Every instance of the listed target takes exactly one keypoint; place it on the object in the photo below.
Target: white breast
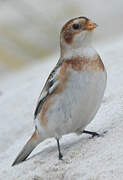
(76, 106)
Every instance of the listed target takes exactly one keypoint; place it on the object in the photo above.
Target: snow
(84, 158)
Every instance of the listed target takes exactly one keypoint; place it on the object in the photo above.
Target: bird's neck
(84, 50)
(80, 46)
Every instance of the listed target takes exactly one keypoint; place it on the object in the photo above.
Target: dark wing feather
(50, 85)
(39, 105)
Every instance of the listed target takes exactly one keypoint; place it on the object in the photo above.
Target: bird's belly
(76, 105)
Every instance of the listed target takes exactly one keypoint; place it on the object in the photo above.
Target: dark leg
(60, 154)
(91, 133)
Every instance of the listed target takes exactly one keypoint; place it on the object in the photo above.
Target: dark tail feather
(27, 149)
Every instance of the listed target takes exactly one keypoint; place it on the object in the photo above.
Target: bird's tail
(28, 148)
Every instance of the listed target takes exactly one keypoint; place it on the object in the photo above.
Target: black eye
(75, 26)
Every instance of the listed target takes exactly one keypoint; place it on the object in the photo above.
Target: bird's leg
(91, 133)
(60, 154)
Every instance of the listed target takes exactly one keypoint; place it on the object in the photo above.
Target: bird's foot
(94, 133)
(60, 156)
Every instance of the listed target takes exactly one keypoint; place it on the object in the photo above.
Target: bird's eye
(76, 26)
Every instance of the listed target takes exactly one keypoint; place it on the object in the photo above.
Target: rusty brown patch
(100, 64)
(85, 64)
(63, 68)
(63, 77)
(34, 136)
(43, 118)
(69, 35)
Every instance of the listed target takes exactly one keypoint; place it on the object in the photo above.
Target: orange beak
(91, 26)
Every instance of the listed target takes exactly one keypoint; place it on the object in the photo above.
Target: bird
(73, 91)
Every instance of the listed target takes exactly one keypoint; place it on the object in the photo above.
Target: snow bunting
(73, 91)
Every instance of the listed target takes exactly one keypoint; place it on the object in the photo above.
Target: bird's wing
(50, 85)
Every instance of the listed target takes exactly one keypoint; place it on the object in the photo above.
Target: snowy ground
(84, 158)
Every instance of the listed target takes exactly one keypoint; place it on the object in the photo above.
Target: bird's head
(76, 32)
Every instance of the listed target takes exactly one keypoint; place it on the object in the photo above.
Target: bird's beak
(91, 26)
